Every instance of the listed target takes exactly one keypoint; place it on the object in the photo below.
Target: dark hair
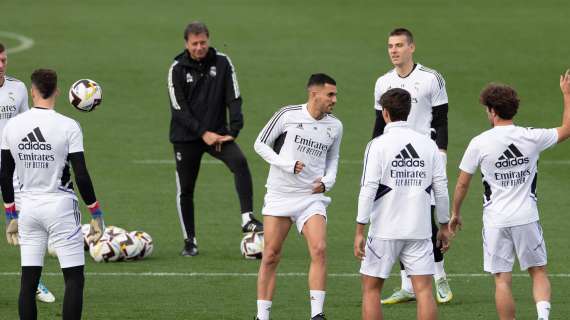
(501, 98)
(196, 27)
(45, 81)
(320, 79)
(2, 47)
(398, 103)
(402, 32)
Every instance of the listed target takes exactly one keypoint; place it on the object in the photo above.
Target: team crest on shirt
(178, 156)
(213, 71)
(189, 78)
(11, 96)
(300, 126)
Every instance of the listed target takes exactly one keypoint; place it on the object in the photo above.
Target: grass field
(127, 46)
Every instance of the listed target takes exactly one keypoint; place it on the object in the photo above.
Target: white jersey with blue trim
(292, 135)
(508, 157)
(40, 141)
(427, 89)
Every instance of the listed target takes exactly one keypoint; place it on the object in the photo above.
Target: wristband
(11, 212)
(95, 210)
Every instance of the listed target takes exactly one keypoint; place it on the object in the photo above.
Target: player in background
(38, 146)
(401, 168)
(428, 116)
(204, 93)
(508, 155)
(301, 143)
(13, 101)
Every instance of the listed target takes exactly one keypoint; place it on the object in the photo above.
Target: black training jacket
(200, 92)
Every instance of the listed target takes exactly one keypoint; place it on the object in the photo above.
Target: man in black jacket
(202, 84)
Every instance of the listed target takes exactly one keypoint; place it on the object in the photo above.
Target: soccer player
(507, 155)
(13, 101)
(203, 90)
(39, 145)
(301, 143)
(401, 168)
(428, 116)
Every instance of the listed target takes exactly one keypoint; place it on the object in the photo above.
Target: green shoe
(443, 291)
(399, 296)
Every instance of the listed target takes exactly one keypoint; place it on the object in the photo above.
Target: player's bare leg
(540, 290)
(315, 232)
(426, 307)
(504, 301)
(276, 230)
(371, 306)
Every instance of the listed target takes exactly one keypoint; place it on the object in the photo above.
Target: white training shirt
(508, 157)
(400, 168)
(40, 141)
(427, 89)
(292, 135)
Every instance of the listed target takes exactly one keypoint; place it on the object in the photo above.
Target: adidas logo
(511, 157)
(34, 141)
(408, 157)
(300, 126)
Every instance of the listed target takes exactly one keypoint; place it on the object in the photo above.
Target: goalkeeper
(39, 145)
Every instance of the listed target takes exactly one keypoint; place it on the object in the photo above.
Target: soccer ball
(105, 250)
(51, 251)
(112, 231)
(130, 247)
(252, 245)
(146, 239)
(85, 95)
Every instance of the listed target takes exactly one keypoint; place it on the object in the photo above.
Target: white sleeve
(4, 141)
(266, 139)
(24, 103)
(332, 162)
(377, 94)
(369, 183)
(440, 190)
(545, 138)
(471, 158)
(75, 138)
(438, 92)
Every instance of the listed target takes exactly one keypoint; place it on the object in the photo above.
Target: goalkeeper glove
(11, 224)
(97, 223)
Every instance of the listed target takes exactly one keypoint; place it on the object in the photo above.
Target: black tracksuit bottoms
(188, 157)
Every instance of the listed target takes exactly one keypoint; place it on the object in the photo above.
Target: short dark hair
(45, 81)
(196, 27)
(501, 98)
(320, 79)
(2, 47)
(402, 32)
(398, 103)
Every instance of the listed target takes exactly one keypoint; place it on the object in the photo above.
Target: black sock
(73, 299)
(28, 286)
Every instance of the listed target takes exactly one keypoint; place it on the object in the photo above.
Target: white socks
(317, 301)
(439, 272)
(406, 282)
(263, 309)
(245, 218)
(543, 310)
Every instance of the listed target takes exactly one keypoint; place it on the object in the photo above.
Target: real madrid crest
(213, 71)
(189, 78)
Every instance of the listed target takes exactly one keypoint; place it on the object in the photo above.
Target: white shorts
(380, 255)
(56, 220)
(501, 244)
(298, 208)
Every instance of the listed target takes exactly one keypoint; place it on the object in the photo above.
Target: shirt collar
(395, 124)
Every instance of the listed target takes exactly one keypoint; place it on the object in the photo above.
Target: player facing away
(38, 146)
(428, 116)
(301, 143)
(401, 167)
(508, 155)
(13, 101)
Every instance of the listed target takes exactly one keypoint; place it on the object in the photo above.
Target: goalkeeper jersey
(508, 157)
(40, 141)
(292, 135)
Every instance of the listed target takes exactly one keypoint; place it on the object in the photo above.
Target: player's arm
(459, 195)
(441, 194)
(233, 100)
(439, 126)
(7, 185)
(266, 142)
(564, 130)
(24, 104)
(331, 168)
(379, 123)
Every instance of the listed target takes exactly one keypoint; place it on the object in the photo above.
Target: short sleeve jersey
(508, 156)
(427, 89)
(40, 141)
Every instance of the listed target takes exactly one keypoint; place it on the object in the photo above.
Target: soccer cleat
(320, 316)
(190, 248)
(43, 294)
(443, 292)
(399, 296)
(253, 225)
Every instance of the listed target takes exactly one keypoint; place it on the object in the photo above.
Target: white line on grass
(25, 43)
(244, 275)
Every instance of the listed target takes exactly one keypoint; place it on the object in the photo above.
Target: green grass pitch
(127, 46)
